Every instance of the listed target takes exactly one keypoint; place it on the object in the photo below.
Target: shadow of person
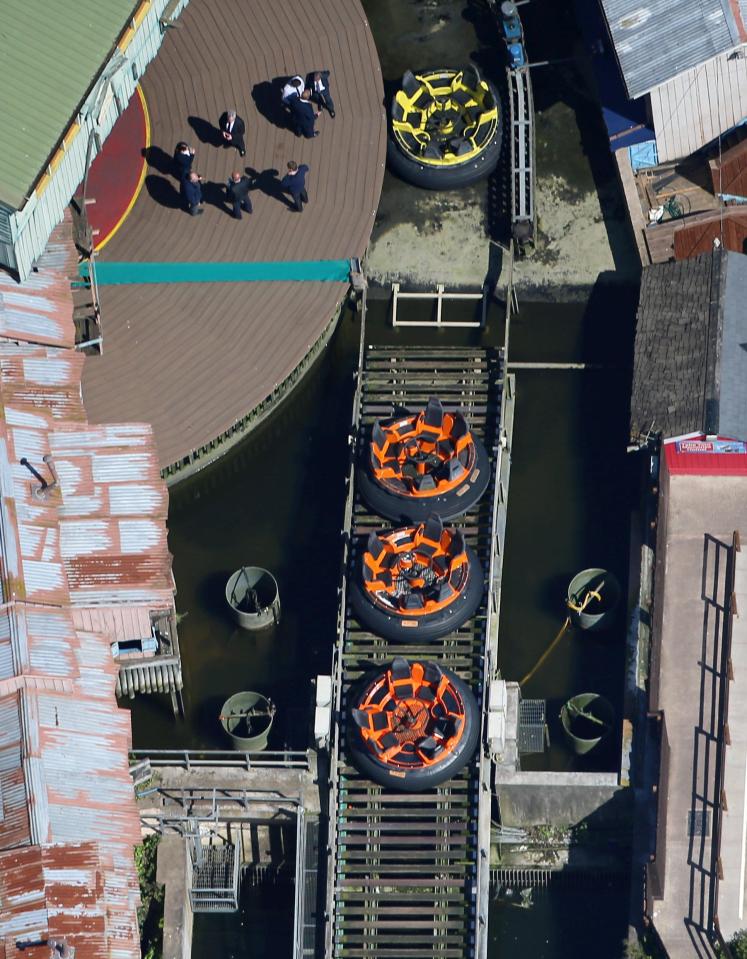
(267, 182)
(266, 96)
(205, 131)
(163, 191)
(159, 160)
(215, 195)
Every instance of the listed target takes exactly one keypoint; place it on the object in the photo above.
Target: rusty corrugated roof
(59, 892)
(40, 310)
(92, 534)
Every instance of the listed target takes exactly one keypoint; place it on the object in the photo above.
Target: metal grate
(531, 735)
(214, 885)
(699, 822)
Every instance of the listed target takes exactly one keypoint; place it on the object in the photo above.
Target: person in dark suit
(232, 130)
(191, 193)
(294, 182)
(304, 117)
(318, 83)
(237, 188)
(183, 157)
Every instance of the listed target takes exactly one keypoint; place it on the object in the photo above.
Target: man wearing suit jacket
(232, 131)
(303, 115)
(237, 189)
(318, 83)
(294, 182)
(191, 193)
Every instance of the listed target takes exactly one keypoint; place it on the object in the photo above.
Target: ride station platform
(408, 872)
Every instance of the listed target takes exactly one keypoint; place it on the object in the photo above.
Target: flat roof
(50, 53)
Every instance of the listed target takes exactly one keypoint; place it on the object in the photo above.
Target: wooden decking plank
(243, 340)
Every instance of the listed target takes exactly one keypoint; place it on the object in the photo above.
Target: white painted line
(744, 841)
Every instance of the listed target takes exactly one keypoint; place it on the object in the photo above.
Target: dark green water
(277, 501)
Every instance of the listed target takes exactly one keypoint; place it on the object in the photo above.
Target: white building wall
(30, 227)
(696, 106)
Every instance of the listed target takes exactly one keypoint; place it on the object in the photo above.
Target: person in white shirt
(293, 88)
(318, 83)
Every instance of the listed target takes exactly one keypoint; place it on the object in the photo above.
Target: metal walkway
(408, 874)
(523, 212)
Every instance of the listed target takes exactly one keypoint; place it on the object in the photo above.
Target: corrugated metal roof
(97, 537)
(658, 39)
(49, 57)
(40, 310)
(58, 892)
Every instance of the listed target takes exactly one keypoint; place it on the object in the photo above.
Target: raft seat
(400, 669)
(386, 741)
(462, 97)
(460, 146)
(429, 747)
(379, 721)
(471, 78)
(425, 482)
(410, 83)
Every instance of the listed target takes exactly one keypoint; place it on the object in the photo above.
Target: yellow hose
(547, 652)
(591, 594)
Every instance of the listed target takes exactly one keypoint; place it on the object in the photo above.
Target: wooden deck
(194, 359)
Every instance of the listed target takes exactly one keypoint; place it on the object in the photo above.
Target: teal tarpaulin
(108, 274)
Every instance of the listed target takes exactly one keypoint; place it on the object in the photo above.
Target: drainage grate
(699, 822)
(531, 734)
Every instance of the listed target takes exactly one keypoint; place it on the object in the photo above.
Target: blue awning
(626, 120)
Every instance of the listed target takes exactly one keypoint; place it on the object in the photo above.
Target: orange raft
(424, 462)
(417, 583)
(412, 726)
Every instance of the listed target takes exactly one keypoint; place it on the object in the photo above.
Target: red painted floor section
(116, 174)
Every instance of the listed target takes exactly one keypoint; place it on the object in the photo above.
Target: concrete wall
(560, 799)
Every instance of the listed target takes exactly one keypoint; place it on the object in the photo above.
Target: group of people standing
(304, 100)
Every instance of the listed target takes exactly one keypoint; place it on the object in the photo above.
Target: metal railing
(439, 296)
(187, 758)
(307, 866)
(724, 739)
(336, 669)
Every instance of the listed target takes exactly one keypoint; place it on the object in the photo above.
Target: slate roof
(659, 39)
(690, 364)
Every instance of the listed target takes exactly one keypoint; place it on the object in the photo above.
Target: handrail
(299, 905)
(723, 737)
(339, 642)
(187, 758)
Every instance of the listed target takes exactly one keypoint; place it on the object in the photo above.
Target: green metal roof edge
(45, 77)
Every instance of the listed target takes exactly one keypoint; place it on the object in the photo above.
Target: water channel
(277, 500)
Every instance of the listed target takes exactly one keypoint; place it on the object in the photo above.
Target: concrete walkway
(701, 515)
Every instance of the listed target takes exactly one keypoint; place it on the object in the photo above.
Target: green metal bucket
(247, 718)
(598, 612)
(587, 720)
(252, 593)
